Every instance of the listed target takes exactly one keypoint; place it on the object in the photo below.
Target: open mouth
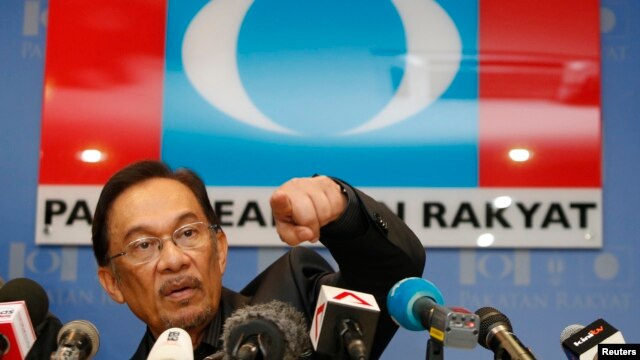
(180, 287)
(179, 292)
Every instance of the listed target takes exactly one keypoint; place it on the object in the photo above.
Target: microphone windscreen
(404, 294)
(31, 293)
(490, 318)
(286, 318)
(80, 331)
(570, 331)
(172, 344)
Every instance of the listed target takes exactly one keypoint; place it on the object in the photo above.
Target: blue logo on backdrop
(329, 68)
(287, 88)
(61, 263)
(34, 22)
(519, 279)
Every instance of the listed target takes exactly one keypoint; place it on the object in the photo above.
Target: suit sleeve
(46, 338)
(374, 249)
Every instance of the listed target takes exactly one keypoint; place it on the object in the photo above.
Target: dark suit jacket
(46, 338)
(373, 248)
(372, 261)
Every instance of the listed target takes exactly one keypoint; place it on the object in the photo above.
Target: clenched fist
(301, 206)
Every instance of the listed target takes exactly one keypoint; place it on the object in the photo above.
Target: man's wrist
(350, 223)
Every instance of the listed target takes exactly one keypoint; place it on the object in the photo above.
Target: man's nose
(172, 257)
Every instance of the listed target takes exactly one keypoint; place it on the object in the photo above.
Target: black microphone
(270, 331)
(496, 334)
(78, 339)
(568, 332)
(344, 323)
(29, 291)
(23, 305)
(581, 342)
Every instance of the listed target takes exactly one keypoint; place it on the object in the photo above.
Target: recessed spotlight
(502, 202)
(519, 155)
(91, 156)
(485, 240)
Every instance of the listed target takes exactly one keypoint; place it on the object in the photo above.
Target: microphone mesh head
(490, 318)
(29, 291)
(286, 318)
(570, 331)
(83, 327)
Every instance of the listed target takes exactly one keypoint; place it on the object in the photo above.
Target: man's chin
(188, 318)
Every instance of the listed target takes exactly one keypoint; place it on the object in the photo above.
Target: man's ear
(110, 284)
(222, 247)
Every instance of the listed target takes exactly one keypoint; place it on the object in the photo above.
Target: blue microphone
(417, 304)
(404, 295)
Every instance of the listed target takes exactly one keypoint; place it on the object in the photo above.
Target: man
(161, 251)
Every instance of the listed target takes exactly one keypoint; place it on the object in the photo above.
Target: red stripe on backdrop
(103, 87)
(540, 91)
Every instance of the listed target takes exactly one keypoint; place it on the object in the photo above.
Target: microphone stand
(435, 350)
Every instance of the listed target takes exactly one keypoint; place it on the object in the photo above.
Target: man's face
(181, 288)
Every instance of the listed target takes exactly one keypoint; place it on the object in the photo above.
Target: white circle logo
(432, 60)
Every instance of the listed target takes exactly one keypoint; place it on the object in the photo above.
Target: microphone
(344, 323)
(496, 334)
(416, 304)
(172, 344)
(569, 331)
(581, 342)
(77, 339)
(269, 331)
(23, 304)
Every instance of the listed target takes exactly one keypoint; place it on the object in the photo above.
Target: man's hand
(301, 206)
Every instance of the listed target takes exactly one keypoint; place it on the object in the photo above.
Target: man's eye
(188, 233)
(142, 245)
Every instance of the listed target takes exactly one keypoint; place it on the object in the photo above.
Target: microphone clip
(256, 339)
(353, 339)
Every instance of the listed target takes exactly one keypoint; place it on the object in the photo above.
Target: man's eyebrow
(187, 215)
